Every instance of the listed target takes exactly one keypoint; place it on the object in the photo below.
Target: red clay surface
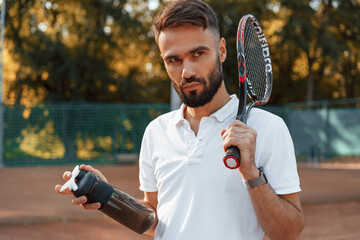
(30, 209)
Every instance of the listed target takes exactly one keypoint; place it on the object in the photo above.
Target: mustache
(193, 79)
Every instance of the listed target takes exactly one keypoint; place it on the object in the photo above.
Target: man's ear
(222, 50)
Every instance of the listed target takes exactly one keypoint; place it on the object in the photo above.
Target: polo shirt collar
(179, 116)
(227, 110)
(223, 113)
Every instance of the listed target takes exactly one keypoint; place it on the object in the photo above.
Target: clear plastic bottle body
(115, 203)
(128, 211)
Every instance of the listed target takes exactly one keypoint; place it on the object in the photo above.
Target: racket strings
(255, 67)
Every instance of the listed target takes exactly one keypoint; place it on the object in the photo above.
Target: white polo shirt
(198, 197)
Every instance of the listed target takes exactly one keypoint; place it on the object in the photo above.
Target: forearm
(150, 200)
(151, 230)
(278, 217)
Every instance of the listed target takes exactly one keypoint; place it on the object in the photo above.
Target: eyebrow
(199, 49)
(191, 51)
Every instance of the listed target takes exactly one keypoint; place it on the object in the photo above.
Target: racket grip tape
(232, 158)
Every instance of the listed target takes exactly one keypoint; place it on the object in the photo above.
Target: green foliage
(104, 51)
(79, 51)
(326, 34)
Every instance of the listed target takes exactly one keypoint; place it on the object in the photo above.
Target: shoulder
(264, 122)
(262, 117)
(163, 121)
(270, 128)
(159, 130)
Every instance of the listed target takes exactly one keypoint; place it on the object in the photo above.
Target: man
(181, 169)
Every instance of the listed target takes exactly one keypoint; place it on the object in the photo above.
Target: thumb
(222, 132)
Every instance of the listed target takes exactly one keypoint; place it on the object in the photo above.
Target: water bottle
(115, 203)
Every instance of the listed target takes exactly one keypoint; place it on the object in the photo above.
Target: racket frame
(232, 158)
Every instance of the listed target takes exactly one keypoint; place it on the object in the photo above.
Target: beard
(194, 99)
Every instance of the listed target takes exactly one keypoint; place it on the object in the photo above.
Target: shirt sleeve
(278, 158)
(146, 174)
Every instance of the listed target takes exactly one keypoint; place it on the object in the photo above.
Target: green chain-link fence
(324, 130)
(52, 134)
(68, 133)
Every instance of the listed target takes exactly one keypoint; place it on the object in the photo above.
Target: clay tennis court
(30, 209)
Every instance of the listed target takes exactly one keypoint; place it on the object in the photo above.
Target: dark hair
(182, 12)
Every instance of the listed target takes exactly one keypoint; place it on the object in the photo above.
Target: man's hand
(82, 200)
(280, 216)
(243, 137)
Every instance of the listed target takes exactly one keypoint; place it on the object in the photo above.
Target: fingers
(243, 137)
(91, 206)
(67, 175)
(58, 187)
(241, 140)
(240, 135)
(89, 168)
(82, 202)
(222, 132)
(236, 126)
(79, 200)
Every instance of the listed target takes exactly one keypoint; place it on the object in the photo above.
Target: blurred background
(80, 80)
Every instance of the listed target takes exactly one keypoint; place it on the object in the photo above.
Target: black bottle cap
(101, 192)
(85, 181)
(93, 188)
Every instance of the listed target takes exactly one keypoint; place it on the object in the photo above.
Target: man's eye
(198, 54)
(174, 60)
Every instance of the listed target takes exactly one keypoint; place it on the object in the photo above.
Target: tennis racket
(255, 75)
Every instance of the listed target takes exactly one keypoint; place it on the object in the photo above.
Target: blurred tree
(81, 50)
(104, 50)
(229, 13)
(345, 24)
(320, 33)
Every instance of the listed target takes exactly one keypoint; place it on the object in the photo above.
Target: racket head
(254, 63)
(255, 75)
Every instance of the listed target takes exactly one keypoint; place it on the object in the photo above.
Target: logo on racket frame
(242, 62)
(265, 47)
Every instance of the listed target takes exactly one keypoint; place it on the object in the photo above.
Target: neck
(194, 115)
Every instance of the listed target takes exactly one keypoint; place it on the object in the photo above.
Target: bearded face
(194, 99)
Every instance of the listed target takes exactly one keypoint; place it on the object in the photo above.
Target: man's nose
(188, 70)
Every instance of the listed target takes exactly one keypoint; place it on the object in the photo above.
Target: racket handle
(232, 158)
